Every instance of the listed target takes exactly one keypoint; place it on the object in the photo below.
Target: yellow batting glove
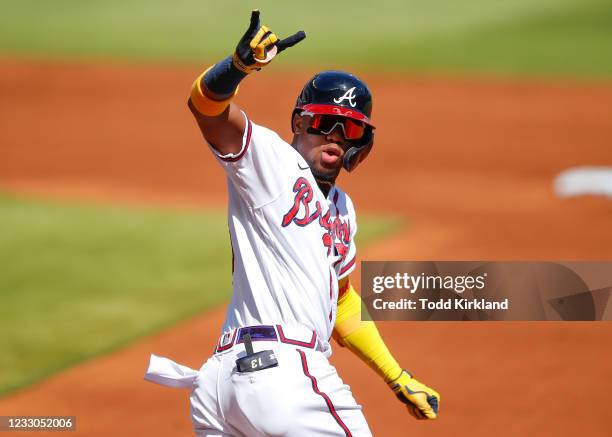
(259, 45)
(262, 42)
(422, 402)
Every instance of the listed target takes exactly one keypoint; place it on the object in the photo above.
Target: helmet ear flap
(358, 152)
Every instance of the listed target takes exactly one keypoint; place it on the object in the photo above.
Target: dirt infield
(468, 163)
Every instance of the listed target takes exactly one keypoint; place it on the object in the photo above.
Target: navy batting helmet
(341, 94)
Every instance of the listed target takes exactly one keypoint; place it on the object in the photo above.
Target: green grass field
(80, 280)
(561, 37)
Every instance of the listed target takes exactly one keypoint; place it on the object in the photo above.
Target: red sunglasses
(324, 124)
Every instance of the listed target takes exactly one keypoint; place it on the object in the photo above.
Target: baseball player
(292, 234)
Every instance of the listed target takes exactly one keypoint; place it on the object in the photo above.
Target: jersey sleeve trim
(246, 141)
(348, 268)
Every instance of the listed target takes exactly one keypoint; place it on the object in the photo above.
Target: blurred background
(545, 37)
(493, 141)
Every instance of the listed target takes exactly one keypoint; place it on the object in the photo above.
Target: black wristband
(223, 78)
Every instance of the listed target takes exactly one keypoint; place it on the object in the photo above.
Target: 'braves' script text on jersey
(291, 244)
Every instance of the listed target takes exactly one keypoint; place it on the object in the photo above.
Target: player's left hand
(259, 45)
(422, 402)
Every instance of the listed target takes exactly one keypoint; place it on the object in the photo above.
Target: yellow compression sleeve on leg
(362, 337)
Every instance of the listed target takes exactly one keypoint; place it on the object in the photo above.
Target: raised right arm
(220, 120)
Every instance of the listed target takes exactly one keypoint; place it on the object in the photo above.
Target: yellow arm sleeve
(205, 104)
(362, 337)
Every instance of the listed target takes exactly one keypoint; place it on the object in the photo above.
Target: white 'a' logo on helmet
(349, 95)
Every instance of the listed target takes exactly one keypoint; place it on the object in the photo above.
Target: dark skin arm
(255, 50)
(224, 131)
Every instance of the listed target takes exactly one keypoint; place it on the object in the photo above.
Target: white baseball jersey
(290, 243)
